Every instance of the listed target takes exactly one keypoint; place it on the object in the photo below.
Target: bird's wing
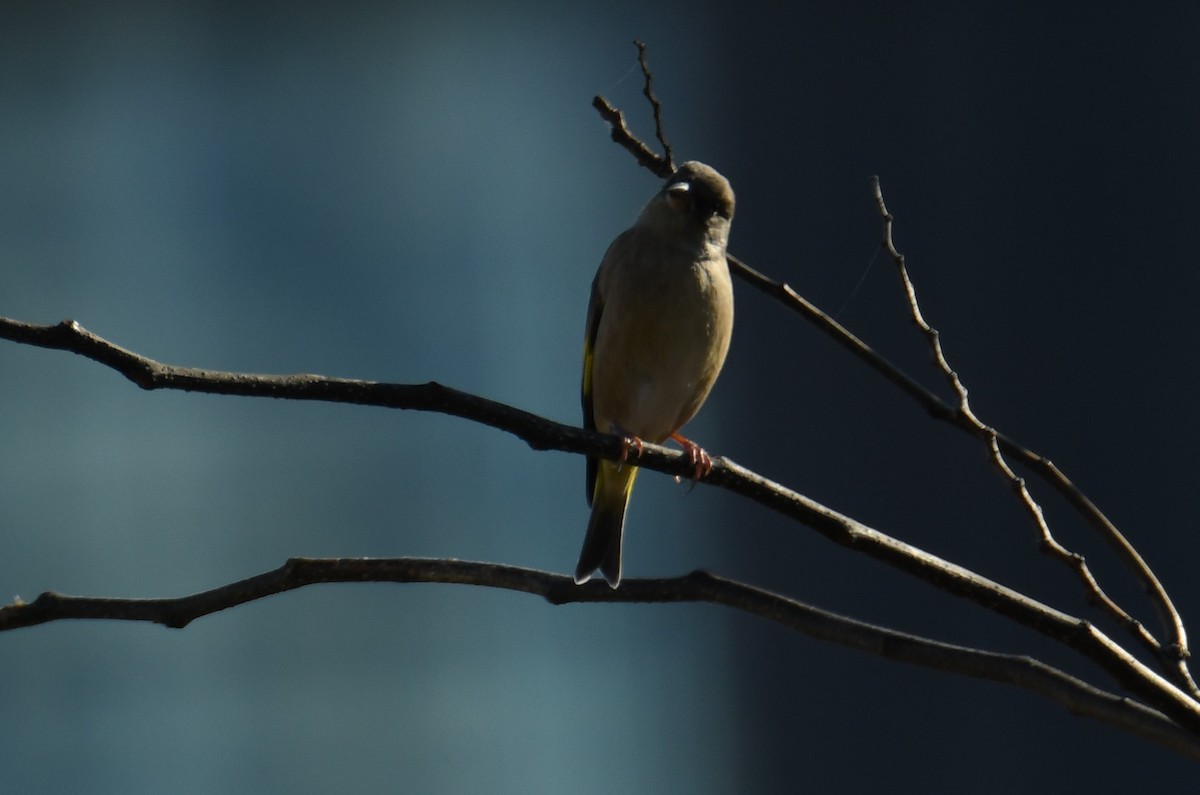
(595, 307)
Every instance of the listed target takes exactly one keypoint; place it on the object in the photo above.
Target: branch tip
(655, 105)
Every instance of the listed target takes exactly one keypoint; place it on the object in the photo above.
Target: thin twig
(1173, 656)
(542, 434)
(655, 104)
(1079, 697)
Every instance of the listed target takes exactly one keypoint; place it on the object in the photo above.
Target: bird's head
(695, 200)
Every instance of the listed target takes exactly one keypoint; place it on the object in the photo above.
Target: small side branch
(1174, 656)
(622, 135)
(1077, 696)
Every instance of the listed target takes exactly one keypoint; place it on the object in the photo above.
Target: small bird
(658, 328)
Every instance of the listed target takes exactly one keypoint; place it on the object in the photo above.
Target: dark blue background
(419, 191)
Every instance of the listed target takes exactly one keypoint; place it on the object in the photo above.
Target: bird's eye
(680, 196)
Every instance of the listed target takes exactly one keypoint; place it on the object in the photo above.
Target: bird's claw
(699, 462)
(631, 444)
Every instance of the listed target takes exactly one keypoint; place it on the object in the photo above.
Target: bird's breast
(658, 353)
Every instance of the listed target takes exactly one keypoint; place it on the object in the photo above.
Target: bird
(659, 323)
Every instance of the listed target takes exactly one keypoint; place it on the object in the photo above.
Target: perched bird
(658, 328)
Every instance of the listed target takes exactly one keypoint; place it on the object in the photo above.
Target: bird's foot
(631, 448)
(700, 462)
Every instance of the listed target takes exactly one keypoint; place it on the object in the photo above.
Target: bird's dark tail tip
(602, 545)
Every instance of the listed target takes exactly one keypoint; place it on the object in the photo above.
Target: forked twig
(662, 166)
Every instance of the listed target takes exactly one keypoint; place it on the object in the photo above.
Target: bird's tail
(602, 544)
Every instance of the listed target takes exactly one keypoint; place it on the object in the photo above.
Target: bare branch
(149, 374)
(1176, 652)
(544, 434)
(655, 104)
(1077, 696)
(1173, 657)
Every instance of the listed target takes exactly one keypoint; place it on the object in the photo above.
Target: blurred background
(414, 191)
